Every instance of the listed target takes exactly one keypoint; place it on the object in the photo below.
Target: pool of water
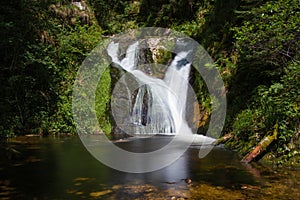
(61, 168)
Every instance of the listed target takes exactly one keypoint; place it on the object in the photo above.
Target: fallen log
(262, 146)
(223, 139)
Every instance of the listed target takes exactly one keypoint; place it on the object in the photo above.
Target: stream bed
(61, 168)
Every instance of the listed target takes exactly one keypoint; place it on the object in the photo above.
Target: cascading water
(146, 99)
(159, 104)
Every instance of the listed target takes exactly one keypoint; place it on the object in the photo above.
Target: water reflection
(63, 169)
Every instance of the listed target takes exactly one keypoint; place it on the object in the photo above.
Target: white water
(164, 110)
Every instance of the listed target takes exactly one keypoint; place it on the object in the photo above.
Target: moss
(103, 102)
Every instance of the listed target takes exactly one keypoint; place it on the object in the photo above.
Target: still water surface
(61, 168)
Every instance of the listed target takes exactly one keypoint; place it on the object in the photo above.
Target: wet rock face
(118, 134)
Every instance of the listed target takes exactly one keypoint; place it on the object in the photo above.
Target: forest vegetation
(254, 43)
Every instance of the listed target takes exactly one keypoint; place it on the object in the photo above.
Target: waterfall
(158, 106)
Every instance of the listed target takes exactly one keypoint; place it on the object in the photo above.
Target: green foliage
(163, 13)
(116, 16)
(272, 35)
(20, 85)
(266, 40)
(47, 50)
(263, 90)
(201, 91)
(102, 102)
(277, 104)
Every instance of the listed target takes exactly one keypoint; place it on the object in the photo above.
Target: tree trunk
(262, 146)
